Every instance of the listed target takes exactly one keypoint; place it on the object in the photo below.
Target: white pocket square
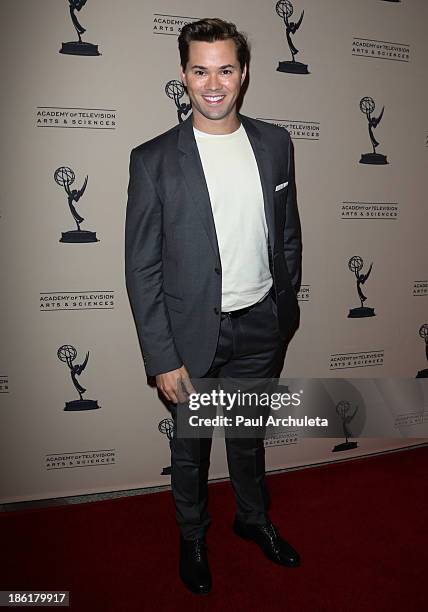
(281, 186)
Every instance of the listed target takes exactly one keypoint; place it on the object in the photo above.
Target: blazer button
(216, 310)
(217, 270)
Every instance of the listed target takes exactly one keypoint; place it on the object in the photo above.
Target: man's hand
(175, 385)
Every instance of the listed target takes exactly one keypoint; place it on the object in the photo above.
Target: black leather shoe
(267, 537)
(194, 568)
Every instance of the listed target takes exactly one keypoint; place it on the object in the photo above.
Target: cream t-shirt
(236, 195)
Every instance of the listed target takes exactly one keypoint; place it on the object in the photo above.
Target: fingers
(188, 385)
(176, 385)
(169, 394)
(173, 397)
(182, 394)
(167, 385)
(170, 386)
(185, 386)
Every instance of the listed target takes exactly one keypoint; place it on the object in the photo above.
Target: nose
(213, 82)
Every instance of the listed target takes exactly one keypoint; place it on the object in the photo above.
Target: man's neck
(228, 125)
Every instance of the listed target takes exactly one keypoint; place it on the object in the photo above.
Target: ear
(183, 76)
(244, 74)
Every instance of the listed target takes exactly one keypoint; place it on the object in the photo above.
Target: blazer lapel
(264, 164)
(193, 173)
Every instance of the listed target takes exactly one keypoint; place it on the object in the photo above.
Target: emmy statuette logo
(355, 264)
(343, 410)
(175, 90)
(285, 9)
(423, 332)
(67, 354)
(367, 107)
(166, 427)
(64, 177)
(78, 47)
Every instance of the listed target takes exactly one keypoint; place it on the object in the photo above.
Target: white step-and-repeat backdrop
(83, 83)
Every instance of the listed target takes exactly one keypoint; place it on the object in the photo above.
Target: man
(213, 253)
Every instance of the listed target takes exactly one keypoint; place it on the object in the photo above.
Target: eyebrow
(220, 67)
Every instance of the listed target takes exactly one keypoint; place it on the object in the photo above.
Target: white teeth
(213, 98)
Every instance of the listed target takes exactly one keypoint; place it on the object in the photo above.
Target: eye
(227, 71)
(199, 72)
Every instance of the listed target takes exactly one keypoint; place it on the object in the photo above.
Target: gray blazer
(172, 261)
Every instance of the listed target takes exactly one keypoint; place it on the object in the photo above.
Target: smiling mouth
(214, 100)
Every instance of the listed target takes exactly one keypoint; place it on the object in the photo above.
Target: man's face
(213, 79)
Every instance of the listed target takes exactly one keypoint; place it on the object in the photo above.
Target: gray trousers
(248, 347)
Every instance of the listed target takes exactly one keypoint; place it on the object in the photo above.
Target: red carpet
(360, 527)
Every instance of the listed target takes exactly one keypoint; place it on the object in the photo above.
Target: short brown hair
(210, 30)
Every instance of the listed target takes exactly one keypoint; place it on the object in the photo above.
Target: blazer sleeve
(292, 228)
(143, 270)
